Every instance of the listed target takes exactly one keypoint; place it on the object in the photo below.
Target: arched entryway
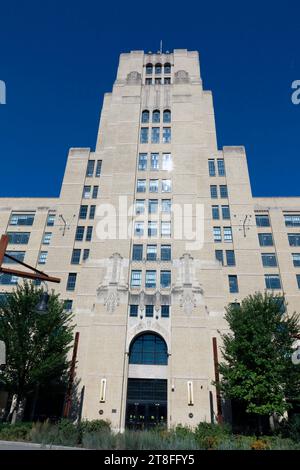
(147, 388)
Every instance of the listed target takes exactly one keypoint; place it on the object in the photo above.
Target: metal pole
(217, 381)
(68, 400)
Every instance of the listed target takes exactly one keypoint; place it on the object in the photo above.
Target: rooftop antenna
(161, 46)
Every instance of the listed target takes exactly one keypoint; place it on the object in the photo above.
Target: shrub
(96, 425)
(63, 433)
(209, 435)
(15, 432)
(260, 444)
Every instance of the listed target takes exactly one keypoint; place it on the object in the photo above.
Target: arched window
(158, 68)
(145, 116)
(156, 116)
(167, 68)
(148, 348)
(149, 68)
(167, 115)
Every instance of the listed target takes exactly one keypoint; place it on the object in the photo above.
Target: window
(167, 162)
(149, 69)
(98, 168)
(148, 348)
(50, 220)
(43, 257)
(139, 229)
(68, 304)
(165, 252)
(219, 256)
(272, 281)
(133, 310)
(92, 212)
(227, 234)
(166, 135)
(47, 238)
(90, 168)
(230, 258)
(75, 256)
(152, 229)
(223, 191)
(8, 279)
(154, 161)
(233, 284)
(139, 206)
(269, 259)
(144, 135)
(166, 205)
(142, 162)
(19, 255)
(79, 234)
(221, 167)
(148, 81)
(145, 116)
(211, 168)
(215, 212)
(167, 68)
(86, 254)
(165, 311)
(225, 212)
(86, 194)
(137, 252)
(150, 281)
(155, 135)
(157, 81)
(217, 234)
(149, 310)
(294, 239)
(296, 259)
(165, 279)
(166, 229)
(156, 113)
(89, 232)
(265, 239)
(152, 206)
(95, 192)
(262, 220)
(158, 68)
(292, 220)
(18, 238)
(153, 186)
(136, 279)
(71, 283)
(83, 212)
(213, 191)
(167, 81)
(166, 186)
(298, 280)
(141, 186)
(167, 113)
(21, 219)
(151, 252)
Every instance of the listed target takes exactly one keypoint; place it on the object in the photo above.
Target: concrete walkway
(12, 445)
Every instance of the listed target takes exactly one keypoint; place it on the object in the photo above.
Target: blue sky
(58, 58)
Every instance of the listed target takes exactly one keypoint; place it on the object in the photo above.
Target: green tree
(37, 345)
(258, 370)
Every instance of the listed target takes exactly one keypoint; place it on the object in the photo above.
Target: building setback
(147, 298)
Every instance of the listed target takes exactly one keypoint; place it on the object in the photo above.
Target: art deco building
(148, 297)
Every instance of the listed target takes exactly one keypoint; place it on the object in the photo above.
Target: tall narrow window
(144, 137)
(165, 252)
(90, 168)
(211, 168)
(75, 256)
(225, 212)
(152, 229)
(98, 168)
(152, 206)
(158, 69)
(50, 220)
(92, 212)
(166, 186)
(141, 186)
(133, 310)
(296, 259)
(151, 252)
(95, 192)
(165, 311)
(230, 258)
(155, 135)
(139, 206)
(167, 115)
(47, 238)
(227, 234)
(71, 283)
(166, 206)
(83, 212)
(217, 234)
(142, 162)
(167, 68)
(137, 252)
(86, 194)
(156, 116)
(153, 186)
(86, 254)
(215, 212)
(213, 191)
(154, 161)
(166, 135)
(219, 256)
(166, 229)
(139, 229)
(79, 233)
(233, 284)
(89, 232)
(223, 191)
(149, 310)
(167, 162)
(149, 69)
(136, 278)
(221, 167)
(165, 279)
(150, 281)
(145, 116)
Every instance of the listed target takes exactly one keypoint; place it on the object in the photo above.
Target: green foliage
(258, 370)
(36, 345)
(17, 432)
(209, 435)
(96, 425)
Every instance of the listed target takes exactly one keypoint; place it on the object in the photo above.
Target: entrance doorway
(146, 403)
